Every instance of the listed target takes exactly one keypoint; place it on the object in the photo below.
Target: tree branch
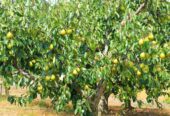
(106, 47)
(140, 8)
(21, 71)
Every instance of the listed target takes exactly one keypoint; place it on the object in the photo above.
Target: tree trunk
(103, 104)
(1, 83)
(96, 100)
(7, 91)
(128, 105)
(0, 89)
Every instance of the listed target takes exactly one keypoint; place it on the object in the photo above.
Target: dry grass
(115, 111)
(167, 100)
(43, 107)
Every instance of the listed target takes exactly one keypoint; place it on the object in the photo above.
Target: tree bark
(7, 91)
(128, 105)
(1, 83)
(103, 104)
(0, 89)
(95, 100)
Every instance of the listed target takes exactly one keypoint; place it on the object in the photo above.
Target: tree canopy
(77, 51)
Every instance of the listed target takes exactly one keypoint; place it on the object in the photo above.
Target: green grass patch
(167, 100)
(3, 98)
(42, 104)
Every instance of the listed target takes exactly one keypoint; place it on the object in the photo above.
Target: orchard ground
(43, 107)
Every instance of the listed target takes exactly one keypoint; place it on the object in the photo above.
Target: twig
(140, 8)
(21, 71)
(106, 48)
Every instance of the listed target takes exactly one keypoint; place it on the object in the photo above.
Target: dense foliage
(69, 51)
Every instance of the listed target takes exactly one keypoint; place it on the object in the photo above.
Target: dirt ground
(34, 109)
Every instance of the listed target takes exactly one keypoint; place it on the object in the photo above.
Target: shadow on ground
(116, 111)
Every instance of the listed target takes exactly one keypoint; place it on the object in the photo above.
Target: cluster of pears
(115, 62)
(148, 38)
(76, 71)
(65, 32)
(31, 63)
(144, 67)
(50, 78)
(62, 32)
(40, 88)
(47, 78)
(10, 36)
